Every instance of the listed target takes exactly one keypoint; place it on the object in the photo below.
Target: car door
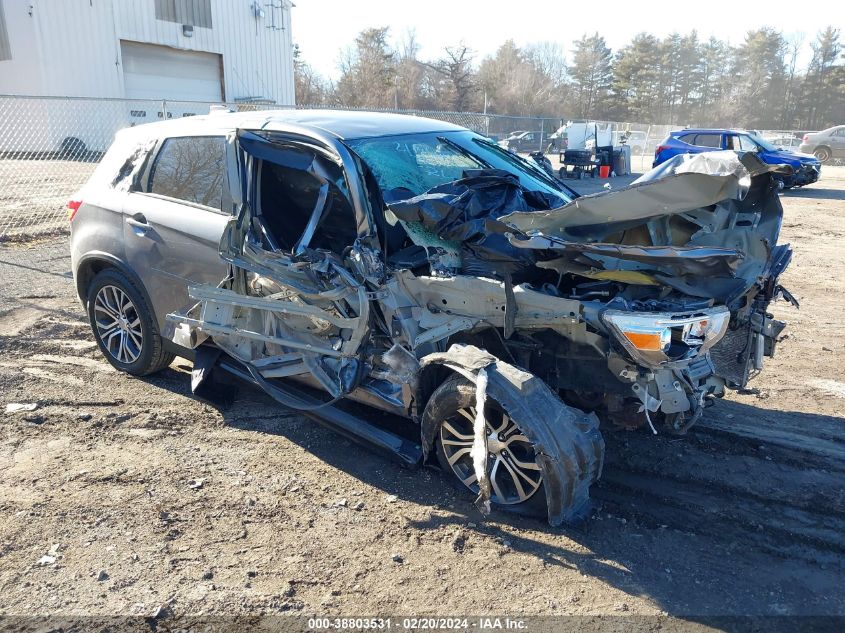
(294, 307)
(527, 142)
(837, 143)
(174, 220)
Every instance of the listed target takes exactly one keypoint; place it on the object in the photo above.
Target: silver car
(418, 288)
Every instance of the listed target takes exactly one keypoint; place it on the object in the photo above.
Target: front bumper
(804, 175)
(670, 384)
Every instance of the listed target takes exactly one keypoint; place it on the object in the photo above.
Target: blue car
(806, 168)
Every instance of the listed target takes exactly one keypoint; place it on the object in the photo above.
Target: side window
(839, 132)
(731, 142)
(305, 199)
(190, 168)
(689, 139)
(707, 140)
(746, 144)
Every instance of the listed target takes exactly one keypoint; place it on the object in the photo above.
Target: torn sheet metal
(705, 228)
(612, 211)
(683, 260)
(711, 178)
(466, 211)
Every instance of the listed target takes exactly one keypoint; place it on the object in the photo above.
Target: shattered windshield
(416, 163)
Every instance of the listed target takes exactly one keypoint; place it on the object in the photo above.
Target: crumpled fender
(567, 442)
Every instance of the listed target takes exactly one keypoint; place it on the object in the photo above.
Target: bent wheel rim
(118, 324)
(511, 463)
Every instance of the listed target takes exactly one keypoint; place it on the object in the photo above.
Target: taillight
(659, 149)
(805, 138)
(72, 208)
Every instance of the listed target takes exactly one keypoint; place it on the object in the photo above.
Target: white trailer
(579, 133)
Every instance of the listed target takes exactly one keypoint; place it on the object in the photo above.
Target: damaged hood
(700, 181)
(703, 224)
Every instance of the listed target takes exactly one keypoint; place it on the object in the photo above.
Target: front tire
(124, 326)
(515, 477)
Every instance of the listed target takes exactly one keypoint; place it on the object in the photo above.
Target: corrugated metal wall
(257, 60)
(78, 52)
(5, 49)
(79, 44)
(193, 12)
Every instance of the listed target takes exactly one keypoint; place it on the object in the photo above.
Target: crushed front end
(638, 305)
(677, 271)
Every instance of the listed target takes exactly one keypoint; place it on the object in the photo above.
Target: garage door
(160, 72)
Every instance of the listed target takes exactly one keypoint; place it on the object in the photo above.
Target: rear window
(703, 140)
(190, 168)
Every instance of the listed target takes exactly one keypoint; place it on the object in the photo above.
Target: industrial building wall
(72, 47)
(257, 59)
(76, 46)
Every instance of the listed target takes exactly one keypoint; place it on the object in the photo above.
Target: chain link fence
(49, 146)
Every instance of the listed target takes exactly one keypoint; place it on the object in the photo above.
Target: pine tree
(592, 76)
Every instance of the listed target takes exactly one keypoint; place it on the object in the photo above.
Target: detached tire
(73, 148)
(123, 325)
(542, 455)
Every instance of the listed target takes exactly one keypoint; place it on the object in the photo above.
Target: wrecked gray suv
(416, 287)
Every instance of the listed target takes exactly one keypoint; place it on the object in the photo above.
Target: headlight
(657, 338)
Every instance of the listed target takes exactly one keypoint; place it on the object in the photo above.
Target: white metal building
(96, 66)
(193, 50)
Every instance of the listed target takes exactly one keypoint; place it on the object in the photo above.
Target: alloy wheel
(118, 324)
(512, 469)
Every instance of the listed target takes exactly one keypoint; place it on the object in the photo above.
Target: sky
(322, 28)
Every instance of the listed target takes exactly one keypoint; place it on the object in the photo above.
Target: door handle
(139, 221)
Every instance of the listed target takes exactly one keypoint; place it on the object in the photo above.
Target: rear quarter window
(119, 163)
(708, 140)
(190, 168)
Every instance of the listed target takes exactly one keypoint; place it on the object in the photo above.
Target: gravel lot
(35, 193)
(129, 496)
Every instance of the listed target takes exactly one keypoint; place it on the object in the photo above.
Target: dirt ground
(128, 496)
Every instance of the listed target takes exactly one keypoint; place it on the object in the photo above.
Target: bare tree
(310, 88)
(458, 89)
(678, 79)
